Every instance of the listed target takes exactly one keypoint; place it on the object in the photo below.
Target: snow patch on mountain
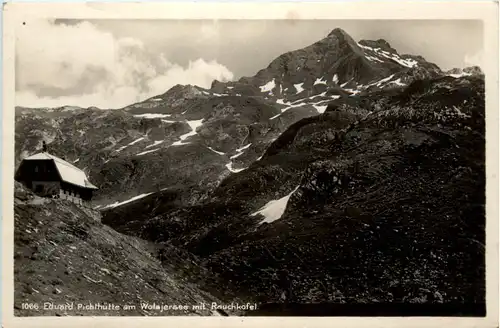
(151, 116)
(365, 47)
(116, 204)
(379, 83)
(344, 84)
(354, 91)
(287, 108)
(240, 151)
(382, 81)
(147, 152)
(460, 113)
(217, 152)
(398, 82)
(320, 108)
(275, 116)
(130, 144)
(230, 168)
(193, 125)
(460, 75)
(168, 121)
(405, 62)
(392, 56)
(323, 104)
(375, 59)
(237, 155)
(299, 87)
(319, 81)
(244, 147)
(180, 143)
(157, 142)
(323, 94)
(319, 105)
(274, 209)
(268, 87)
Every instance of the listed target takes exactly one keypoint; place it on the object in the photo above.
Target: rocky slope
(64, 255)
(345, 171)
(379, 199)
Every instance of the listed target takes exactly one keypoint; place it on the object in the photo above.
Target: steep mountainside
(63, 254)
(342, 172)
(381, 198)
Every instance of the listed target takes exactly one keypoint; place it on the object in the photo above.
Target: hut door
(38, 188)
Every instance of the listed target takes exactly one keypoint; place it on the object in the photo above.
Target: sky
(114, 63)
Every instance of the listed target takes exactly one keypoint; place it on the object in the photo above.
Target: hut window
(36, 168)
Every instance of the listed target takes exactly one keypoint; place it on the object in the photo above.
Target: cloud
(210, 31)
(475, 59)
(81, 65)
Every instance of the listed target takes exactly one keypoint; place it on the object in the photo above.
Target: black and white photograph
(264, 167)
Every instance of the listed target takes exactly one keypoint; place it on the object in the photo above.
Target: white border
(15, 13)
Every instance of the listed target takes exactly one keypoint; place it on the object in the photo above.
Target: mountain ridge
(171, 111)
(334, 39)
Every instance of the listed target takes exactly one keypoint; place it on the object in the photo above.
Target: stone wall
(45, 188)
(73, 197)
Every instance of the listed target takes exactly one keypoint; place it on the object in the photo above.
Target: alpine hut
(50, 176)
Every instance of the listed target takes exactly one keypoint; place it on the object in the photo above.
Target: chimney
(44, 147)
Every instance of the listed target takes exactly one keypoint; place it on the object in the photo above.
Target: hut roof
(69, 173)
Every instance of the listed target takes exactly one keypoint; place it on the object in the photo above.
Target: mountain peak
(473, 70)
(338, 38)
(338, 32)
